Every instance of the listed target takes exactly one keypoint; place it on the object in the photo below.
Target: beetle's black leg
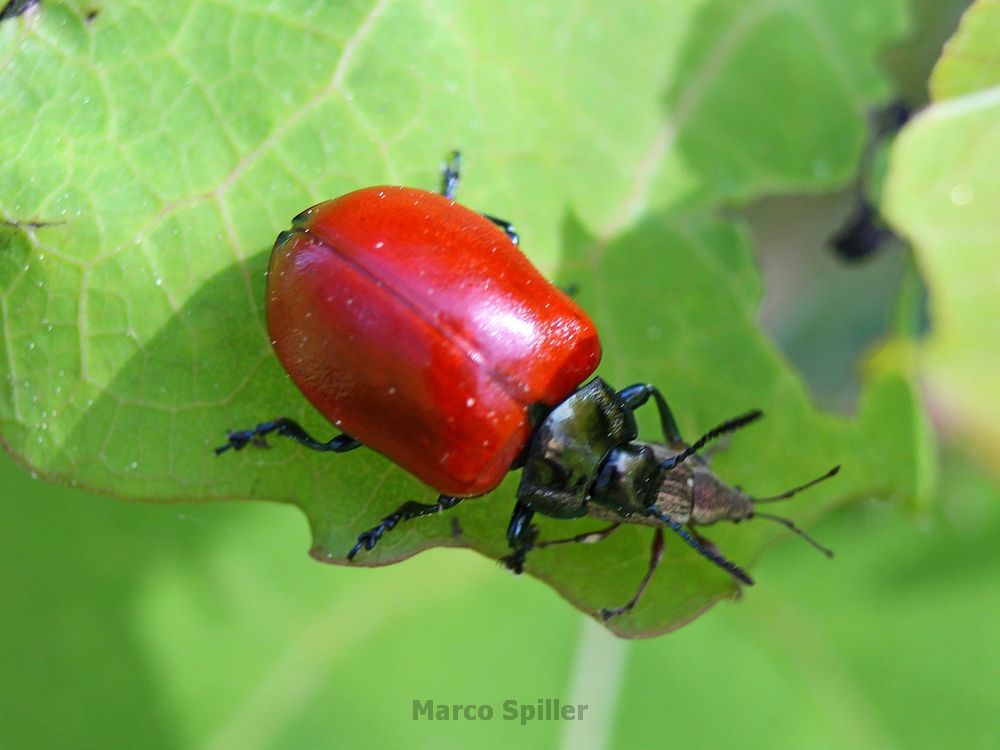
(405, 512)
(655, 555)
(589, 537)
(521, 537)
(289, 429)
(708, 551)
(450, 175)
(637, 395)
(507, 228)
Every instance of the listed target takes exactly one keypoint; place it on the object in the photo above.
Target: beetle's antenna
(789, 525)
(797, 490)
(729, 426)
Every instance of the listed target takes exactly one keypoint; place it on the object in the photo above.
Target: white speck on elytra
(470, 402)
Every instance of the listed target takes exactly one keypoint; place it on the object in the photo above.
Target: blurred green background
(207, 625)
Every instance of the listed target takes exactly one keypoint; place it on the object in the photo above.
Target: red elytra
(418, 327)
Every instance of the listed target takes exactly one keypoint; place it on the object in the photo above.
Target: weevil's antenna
(718, 431)
(788, 524)
(797, 490)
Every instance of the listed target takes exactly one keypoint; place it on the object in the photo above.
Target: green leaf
(941, 195)
(152, 153)
(969, 62)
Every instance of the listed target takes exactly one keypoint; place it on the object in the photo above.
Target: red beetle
(418, 328)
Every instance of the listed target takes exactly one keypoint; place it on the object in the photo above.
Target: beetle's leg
(289, 429)
(450, 175)
(708, 550)
(636, 395)
(405, 512)
(520, 536)
(655, 555)
(507, 228)
(588, 537)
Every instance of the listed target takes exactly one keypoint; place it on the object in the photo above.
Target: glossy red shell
(415, 325)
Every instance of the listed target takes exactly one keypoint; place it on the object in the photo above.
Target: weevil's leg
(521, 537)
(708, 551)
(655, 555)
(405, 512)
(289, 429)
(589, 537)
(706, 543)
(450, 175)
(507, 228)
(637, 395)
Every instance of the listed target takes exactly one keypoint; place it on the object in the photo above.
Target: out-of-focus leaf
(970, 61)
(942, 194)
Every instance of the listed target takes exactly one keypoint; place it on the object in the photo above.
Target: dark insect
(15, 8)
(864, 231)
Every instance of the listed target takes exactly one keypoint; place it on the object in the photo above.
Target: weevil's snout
(714, 500)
